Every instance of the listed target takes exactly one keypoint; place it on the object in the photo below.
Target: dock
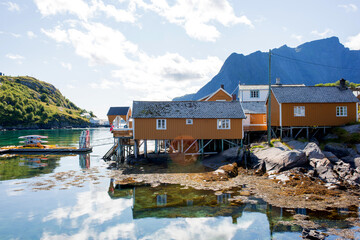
(45, 150)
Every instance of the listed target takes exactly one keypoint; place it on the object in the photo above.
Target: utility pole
(269, 103)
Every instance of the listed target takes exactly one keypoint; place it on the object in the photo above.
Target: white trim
(344, 111)
(189, 123)
(157, 125)
(242, 128)
(217, 92)
(299, 113)
(357, 112)
(220, 127)
(253, 91)
(257, 124)
(280, 112)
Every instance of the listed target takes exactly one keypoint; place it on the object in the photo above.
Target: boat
(34, 144)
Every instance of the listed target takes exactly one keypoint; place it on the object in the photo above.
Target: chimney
(222, 86)
(234, 97)
(278, 81)
(342, 85)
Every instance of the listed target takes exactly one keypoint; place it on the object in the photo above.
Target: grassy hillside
(27, 102)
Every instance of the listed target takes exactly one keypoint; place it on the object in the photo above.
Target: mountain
(320, 61)
(26, 102)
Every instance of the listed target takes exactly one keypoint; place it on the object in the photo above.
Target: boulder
(329, 155)
(342, 169)
(230, 170)
(357, 146)
(231, 153)
(277, 160)
(352, 128)
(296, 144)
(324, 169)
(353, 161)
(312, 150)
(338, 149)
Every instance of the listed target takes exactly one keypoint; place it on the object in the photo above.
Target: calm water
(72, 197)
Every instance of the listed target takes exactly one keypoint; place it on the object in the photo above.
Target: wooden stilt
(222, 145)
(202, 146)
(136, 149)
(156, 146)
(182, 145)
(145, 148)
(307, 133)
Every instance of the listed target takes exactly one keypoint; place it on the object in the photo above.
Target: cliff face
(291, 65)
(26, 102)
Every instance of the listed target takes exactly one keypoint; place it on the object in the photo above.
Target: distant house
(253, 99)
(218, 95)
(188, 120)
(255, 113)
(312, 106)
(95, 121)
(119, 116)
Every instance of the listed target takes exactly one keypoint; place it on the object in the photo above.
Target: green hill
(26, 102)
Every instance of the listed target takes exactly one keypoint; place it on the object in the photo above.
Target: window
(223, 124)
(341, 111)
(189, 121)
(299, 111)
(254, 93)
(161, 124)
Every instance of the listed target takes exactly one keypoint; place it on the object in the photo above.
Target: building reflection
(172, 201)
(84, 161)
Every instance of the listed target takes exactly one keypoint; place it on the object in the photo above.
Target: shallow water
(73, 197)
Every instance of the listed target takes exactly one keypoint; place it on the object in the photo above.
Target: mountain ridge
(319, 61)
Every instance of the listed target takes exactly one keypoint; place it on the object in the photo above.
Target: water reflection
(84, 161)
(174, 201)
(26, 166)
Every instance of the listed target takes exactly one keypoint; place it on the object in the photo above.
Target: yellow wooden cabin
(218, 95)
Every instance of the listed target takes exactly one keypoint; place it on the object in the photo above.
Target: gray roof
(187, 109)
(118, 111)
(254, 106)
(266, 86)
(312, 94)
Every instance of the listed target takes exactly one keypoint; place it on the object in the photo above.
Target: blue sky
(103, 53)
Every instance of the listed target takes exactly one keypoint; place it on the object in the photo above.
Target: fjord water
(73, 197)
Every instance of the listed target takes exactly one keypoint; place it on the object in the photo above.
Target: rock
(231, 153)
(279, 160)
(357, 146)
(244, 193)
(329, 155)
(342, 169)
(352, 152)
(312, 150)
(230, 170)
(330, 136)
(313, 234)
(352, 128)
(324, 169)
(281, 146)
(353, 161)
(338, 149)
(296, 144)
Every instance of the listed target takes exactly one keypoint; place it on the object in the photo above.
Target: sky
(103, 53)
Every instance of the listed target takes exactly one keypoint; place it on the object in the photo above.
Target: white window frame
(160, 124)
(254, 93)
(189, 121)
(299, 111)
(341, 111)
(223, 124)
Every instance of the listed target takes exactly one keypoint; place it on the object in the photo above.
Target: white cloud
(70, 86)
(12, 6)
(349, 7)
(57, 34)
(297, 37)
(104, 84)
(31, 34)
(324, 34)
(66, 65)
(15, 35)
(197, 16)
(152, 75)
(85, 11)
(16, 57)
(353, 42)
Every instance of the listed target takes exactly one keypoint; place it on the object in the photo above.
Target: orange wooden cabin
(311, 106)
(218, 95)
